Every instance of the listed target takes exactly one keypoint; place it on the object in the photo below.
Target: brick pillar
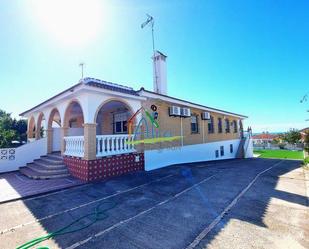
(64, 133)
(37, 134)
(90, 141)
(49, 134)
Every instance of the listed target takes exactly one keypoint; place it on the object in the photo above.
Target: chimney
(159, 73)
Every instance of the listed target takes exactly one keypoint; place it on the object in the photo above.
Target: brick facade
(106, 167)
(172, 126)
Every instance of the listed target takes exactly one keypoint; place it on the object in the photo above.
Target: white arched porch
(86, 124)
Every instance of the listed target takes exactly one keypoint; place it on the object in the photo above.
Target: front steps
(50, 166)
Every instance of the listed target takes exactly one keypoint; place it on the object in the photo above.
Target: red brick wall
(105, 167)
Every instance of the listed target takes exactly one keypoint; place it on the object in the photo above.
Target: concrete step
(35, 175)
(55, 156)
(41, 169)
(50, 160)
(48, 165)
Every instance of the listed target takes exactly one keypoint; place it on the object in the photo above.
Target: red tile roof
(264, 136)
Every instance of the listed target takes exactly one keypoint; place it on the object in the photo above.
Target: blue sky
(249, 57)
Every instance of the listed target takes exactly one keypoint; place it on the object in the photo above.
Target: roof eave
(50, 99)
(194, 104)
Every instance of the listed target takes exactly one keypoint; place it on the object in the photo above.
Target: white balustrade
(114, 144)
(74, 146)
(106, 145)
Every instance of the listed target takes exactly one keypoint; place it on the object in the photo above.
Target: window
(194, 124)
(120, 122)
(221, 150)
(235, 126)
(217, 153)
(211, 125)
(73, 123)
(227, 126)
(231, 148)
(219, 125)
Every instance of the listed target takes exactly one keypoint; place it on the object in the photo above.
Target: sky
(248, 57)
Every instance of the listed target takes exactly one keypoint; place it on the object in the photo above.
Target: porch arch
(74, 118)
(31, 128)
(54, 131)
(54, 119)
(41, 126)
(106, 113)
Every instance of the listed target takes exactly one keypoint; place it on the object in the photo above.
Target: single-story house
(264, 138)
(99, 129)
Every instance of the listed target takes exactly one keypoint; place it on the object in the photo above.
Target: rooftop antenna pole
(82, 67)
(150, 21)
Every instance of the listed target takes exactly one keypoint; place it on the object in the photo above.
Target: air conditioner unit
(174, 111)
(185, 112)
(205, 115)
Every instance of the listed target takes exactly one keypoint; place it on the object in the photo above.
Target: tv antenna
(304, 98)
(82, 64)
(150, 22)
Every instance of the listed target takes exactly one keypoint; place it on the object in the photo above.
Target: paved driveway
(15, 185)
(256, 203)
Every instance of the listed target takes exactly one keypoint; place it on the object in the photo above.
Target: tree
(306, 141)
(11, 129)
(293, 136)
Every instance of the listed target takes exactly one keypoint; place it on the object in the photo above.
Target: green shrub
(306, 160)
(281, 146)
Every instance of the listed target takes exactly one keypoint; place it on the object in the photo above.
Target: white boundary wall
(25, 154)
(249, 150)
(155, 159)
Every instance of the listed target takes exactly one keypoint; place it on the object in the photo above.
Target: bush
(306, 160)
(281, 146)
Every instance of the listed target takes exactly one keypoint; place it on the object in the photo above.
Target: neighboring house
(104, 129)
(263, 139)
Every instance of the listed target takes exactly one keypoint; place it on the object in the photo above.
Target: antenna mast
(82, 67)
(150, 21)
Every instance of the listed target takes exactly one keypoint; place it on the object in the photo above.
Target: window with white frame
(219, 125)
(120, 122)
(221, 150)
(194, 124)
(211, 128)
(227, 125)
(235, 126)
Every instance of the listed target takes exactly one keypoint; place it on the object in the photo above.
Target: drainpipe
(181, 132)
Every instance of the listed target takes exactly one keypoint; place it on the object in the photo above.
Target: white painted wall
(75, 132)
(249, 150)
(155, 159)
(25, 154)
(56, 139)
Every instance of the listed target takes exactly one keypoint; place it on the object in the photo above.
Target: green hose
(97, 215)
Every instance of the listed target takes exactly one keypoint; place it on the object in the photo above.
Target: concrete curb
(37, 194)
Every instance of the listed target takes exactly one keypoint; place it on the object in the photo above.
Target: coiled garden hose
(98, 215)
